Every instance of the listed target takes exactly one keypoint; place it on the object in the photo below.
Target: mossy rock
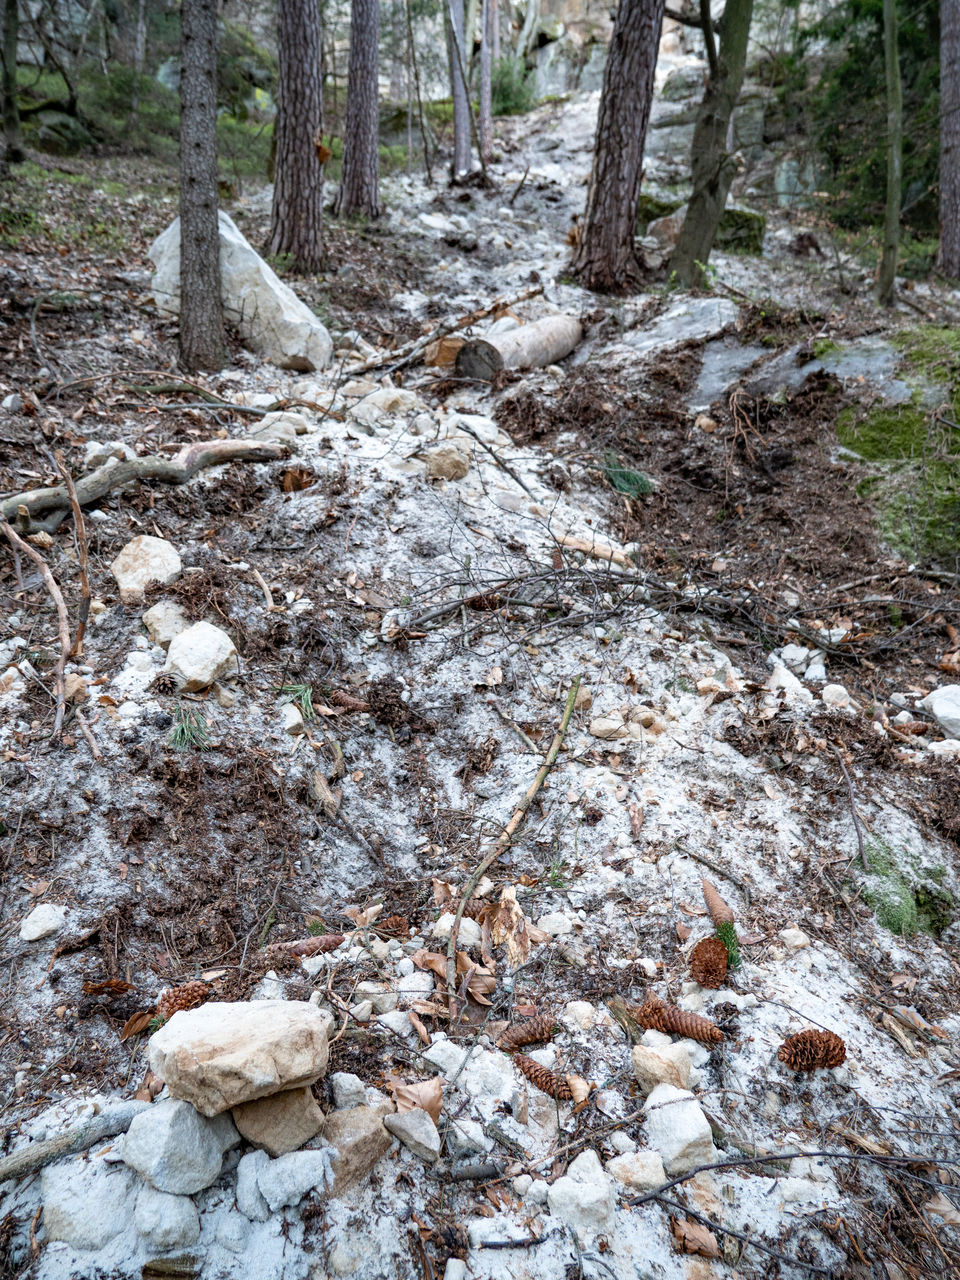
(741, 231)
(683, 84)
(906, 896)
(652, 206)
(60, 135)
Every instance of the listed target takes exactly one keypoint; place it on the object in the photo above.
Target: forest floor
(458, 614)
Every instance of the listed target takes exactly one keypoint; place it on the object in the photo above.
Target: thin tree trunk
(359, 190)
(416, 82)
(486, 79)
(297, 217)
(202, 343)
(529, 29)
(12, 138)
(398, 60)
(606, 258)
(712, 166)
(458, 88)
(139, 57)
(886, 276)
(950, 138)
(495, 28)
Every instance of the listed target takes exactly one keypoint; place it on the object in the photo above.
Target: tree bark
(458, 88)
(606, 259)
(530, 346)
(296, 220)
(139, 57)
(950, 138)
(712, 166)
(359, 190)
(202, 342)
(886, 276)
(486, 78)
(12, 139)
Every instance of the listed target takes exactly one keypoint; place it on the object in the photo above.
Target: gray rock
(166, 1221)
(270, 316)
(348, 1090)
(287, 1179)
(86, 1205)
(233, 1229)
(417, 1132)
(176, 1149)
(678, 1129)
(250, 1199)
(584, 1198)
(446, 1056)
(944, 705)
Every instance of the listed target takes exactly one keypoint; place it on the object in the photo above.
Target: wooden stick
(177, 470)
(62, 620)
(503, 840)
(88, 734)
(77, 650)
(408, 353)
(27, 1160)
(853, 808)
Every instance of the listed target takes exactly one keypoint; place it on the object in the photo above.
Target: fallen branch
(408, 353)
(85, 595)
(177, 470)
(853, 808)
(62, 620)
(88, 734)
(502, 842)
(29, 1159)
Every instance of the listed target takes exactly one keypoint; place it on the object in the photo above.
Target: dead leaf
(426, 1094)
(136, 1024)
(749, 939)
(683, 931)
(112, 987)
(442, 892)
(910, 1018)
(326, 797)
(940, 1205)
(692, 1237)
(418, 1026)
(431, 960)
(636, 820)
(688, 910)
(362, 918)
(580, 1088)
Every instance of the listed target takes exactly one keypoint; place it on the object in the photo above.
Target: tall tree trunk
(886, 276)
(606, 259)
(12, 139)
(950, 138)
(360, 179)
(712, 167)
(486, 79)
(139, 57)
(458, 87)
(495, 30)
(202, 344)
(297, 217)
(398, 58)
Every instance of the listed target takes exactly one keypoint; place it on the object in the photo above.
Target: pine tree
(950, 138)
(359, 182)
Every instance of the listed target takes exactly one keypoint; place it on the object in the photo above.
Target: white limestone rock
(638, 1170)
(199, 656)
(944, 705)
(783, 679)
(669, 1064)
(556, 923)
(447, 462)
(287, 1179)
(164, 621)
(678, 1129)
(468, 935)
(283, 427)
(175, 1148)
(416, 1130)
(250, 1199)
(220, 1055)
(584, 1199)
(144, 560)
(86, 1204)
(166, 1221)
(44, 920)
(834, 695)
(271, 319)
(348, 1090)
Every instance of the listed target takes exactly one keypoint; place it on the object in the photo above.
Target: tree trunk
(360, 179)
(202, 344)
(139, 57)
(458, 88)
(12, 139)
(486, 79)
(886, 276)
(712, 166)
(296, 220)
(528, 32)
(950, 138)
(530, 346)
(606, 259)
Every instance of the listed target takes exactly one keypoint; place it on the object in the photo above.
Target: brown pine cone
(708, 962)
(543, 1078)
(808, 1050)
(309, 946)
(189, 996)
(473, 908)
(720, 912)
(540, 1028)
(393, 927)
(339, 698)
(653, 1013)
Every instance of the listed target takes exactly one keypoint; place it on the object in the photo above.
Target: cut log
(531, 346)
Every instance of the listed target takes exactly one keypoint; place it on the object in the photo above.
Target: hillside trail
(413, 591)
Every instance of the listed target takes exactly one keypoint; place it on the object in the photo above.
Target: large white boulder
(86, 1204)
(271, 319)
(221, 1055)
(175, 1148)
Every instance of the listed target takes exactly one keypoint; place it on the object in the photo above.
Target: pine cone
(393, 927)
(349, 703)
(473, 907)
(720, 913)
(656, 1015)
(808, 1050)
(543, 1078)
(541, 1028)
(309, 946)
(708, 962)
(190, 996)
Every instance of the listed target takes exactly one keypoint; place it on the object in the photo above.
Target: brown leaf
(431, 960)
(297, 478)
(112, 987)
(688, 910)
(362, 918)
(749, 939)
(683, 931)
(509, 927)
(426, 1094)
(418, 1026)
(136, 1024)
(442, 892)
(692, 1237)
(636, 820)
(940, 1205)
(580, 1089)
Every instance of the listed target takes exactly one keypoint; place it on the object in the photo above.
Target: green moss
(823, 347)
(935, 908)
(906, 897)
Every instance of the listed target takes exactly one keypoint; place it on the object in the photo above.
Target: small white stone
(200, 655)
(648, 965)
(42, 921)
(678, 1129)
(144, 560)
(416, 1130)
(522, 1184)
(538, 1191)
(834, 695)
(362, 1011)
(468, 934)
(581, 1013)
(163, 621)
(397, 1021)
(292, 718)
(944, 705)
(795, 938)
(556, 924)
(638, 1170)
(348, 1090)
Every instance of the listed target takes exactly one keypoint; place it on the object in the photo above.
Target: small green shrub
(632, 484)
(728, 936)
(513, 88)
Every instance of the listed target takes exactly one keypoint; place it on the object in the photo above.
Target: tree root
(116, 1119)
